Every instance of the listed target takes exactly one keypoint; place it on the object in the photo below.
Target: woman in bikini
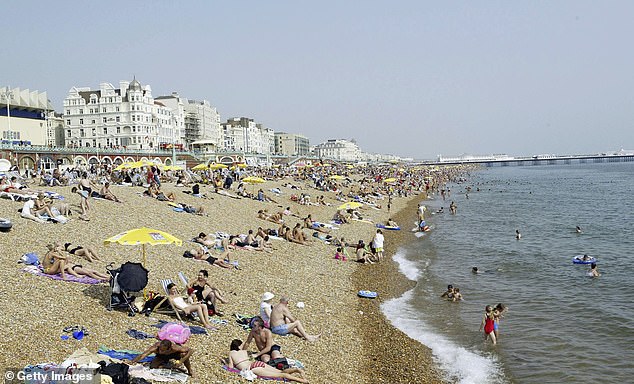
(239, 359)
(53, 261)
(85, 252)
(205, 293)
(179, 302)
(80, 271)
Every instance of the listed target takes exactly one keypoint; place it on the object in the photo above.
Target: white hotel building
(127, 116)
(338, 149)
(243, 134)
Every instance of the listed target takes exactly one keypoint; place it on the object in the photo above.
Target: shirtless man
(165, 351)
(264, 341)
(310, 224)
(283, 322)
(298, 235)
(107, 194)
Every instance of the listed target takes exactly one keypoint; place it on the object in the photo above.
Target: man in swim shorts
(283, 322)
(264, 341)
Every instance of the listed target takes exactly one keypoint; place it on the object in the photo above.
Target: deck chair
(173, 310)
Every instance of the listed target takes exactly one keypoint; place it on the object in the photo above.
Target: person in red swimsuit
(488, 324)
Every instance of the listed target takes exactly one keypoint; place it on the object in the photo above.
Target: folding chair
(174, 310)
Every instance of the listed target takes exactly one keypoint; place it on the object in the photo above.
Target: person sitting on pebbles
(239, 359)
(283, 322)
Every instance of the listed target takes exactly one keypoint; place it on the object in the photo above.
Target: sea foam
(459, 364)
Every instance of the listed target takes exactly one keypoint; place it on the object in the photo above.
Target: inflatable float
(389, 227)
(579, 259)
(368, 294)
(5, 225)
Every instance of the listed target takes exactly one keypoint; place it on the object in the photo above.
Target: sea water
(561, 326)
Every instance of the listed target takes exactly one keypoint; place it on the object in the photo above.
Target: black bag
(118, 372)
(280, 363)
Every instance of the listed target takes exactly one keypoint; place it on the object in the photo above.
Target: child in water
(488, 324)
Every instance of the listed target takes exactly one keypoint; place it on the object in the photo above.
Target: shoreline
(384, 345)
(348, 351)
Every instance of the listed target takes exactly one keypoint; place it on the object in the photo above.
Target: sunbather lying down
(222, 260)
(78, 270)
(239, 359)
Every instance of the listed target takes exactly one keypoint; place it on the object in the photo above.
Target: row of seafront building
(130, 117)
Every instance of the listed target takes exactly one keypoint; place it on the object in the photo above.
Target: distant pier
(539, 160)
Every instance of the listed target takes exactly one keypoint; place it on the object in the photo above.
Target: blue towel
(139, 335)
(123, 354)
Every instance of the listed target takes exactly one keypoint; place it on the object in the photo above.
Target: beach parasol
(350, 205)
(215, 166)
(200, 167)
(253, 180)
(390, 180)
(336, 177)
(123, 166)
(143, 236)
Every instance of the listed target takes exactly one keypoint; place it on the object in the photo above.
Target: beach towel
(139, 335)
(121, 354)
(246, 375)
(157, 375)
(37, 270)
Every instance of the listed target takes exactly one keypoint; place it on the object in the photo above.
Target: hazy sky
(412, 78)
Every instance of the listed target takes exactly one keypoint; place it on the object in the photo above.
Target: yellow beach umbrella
(253, 180)
(336, 177)
(215, 166)
(123, 166)
(144, 236)
(350, 205)
(200, 167)
(390, 180)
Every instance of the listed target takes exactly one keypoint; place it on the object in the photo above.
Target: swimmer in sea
(475, 270)
(593, 272)
(578, 229)
(518, 235)
(449, 293)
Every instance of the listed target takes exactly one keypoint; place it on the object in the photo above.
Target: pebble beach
(357, 344)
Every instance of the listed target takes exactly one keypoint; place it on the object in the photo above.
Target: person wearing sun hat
(266, 307)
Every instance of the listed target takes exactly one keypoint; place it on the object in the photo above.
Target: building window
(105, 110)
(105, 131)
(81, 111)
(117, 119)
(105, 119)
(118, 129)
(81, 121)
(68, 122)
(117, 109)
(69, 133)
(82, 133)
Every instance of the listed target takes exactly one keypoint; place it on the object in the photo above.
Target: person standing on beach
(421, 212)
(453, 208)
(377, 244)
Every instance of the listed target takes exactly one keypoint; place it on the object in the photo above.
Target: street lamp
(7, 96)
